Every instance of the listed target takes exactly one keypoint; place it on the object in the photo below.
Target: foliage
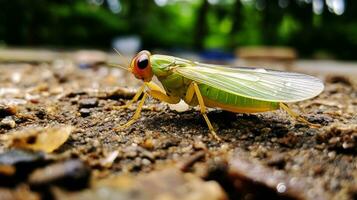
(196, 24)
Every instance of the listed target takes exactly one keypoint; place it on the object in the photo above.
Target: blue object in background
(216, 56)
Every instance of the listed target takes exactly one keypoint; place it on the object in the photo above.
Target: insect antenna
(118, 65)
(125, 58)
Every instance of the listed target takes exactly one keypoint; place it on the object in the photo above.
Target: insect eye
(143, 62)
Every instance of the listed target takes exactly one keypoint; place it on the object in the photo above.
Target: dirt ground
(166, 154)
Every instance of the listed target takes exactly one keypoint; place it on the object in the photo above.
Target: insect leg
(297, 116)
(190, 93)
(135, 98)
(203, 109)
(135, 116)
(158, 93)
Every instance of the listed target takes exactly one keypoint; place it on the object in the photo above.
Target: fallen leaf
(45, 139)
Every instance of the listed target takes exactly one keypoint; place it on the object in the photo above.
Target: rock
(277, 160)
(71, 174)
(169, 184)
(17, 164)
(8, 122)
(186, 164)
(85, 112)
(320, 119)
(339, 79)
(119, 93)
(18, 157)
(88, 103)
(247, 177)
(7, 111)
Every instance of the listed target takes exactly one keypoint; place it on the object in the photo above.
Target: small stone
(71, 174)
(88, 103)
(339, 79)
(17, 157)
(248, 176)
(148, 144)
(331, 154)
(277, 160)
(120, 93)
(41, 114)
(145, 162)
(347, 145)
(334, 140)
(199, 145)
(167, 184)
(318, 170)
(7, 111)
(8, 122)
(85, 112)
(17, 164)
(265, 130)
(320, 119)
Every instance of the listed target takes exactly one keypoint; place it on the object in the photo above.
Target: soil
(267, 155)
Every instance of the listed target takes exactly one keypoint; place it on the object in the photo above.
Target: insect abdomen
(217, 98)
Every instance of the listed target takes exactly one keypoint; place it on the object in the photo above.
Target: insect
(234, 89)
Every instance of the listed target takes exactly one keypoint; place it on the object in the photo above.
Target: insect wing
(255, 83)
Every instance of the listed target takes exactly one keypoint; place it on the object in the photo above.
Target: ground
(261, 155)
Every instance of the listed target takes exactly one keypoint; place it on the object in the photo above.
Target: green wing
(255, 83)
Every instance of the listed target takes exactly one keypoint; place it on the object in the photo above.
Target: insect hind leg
(297, 116)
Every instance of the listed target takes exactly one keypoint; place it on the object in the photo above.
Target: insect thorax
(175, 85)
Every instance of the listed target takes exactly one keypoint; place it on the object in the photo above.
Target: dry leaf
(45, 139)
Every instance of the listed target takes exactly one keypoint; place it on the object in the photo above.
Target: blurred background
(315, 28)
(218, 29)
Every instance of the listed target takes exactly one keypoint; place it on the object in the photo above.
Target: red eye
(143, 61)
(141, 66)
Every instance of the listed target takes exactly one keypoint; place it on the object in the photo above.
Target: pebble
(8, 122)
(331, 155)
(17, 157)
(277, 160)
(148, 144)
(248, 177)
(168, 184)
(88, 103)
(145, 162)
(7, 111)
(21, 162)
(85, 112)
(71, 174)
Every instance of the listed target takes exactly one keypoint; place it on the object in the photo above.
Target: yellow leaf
(45, 139)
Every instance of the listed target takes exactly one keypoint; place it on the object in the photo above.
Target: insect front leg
(135, 116)
(193, 89)
(158, 93)
(135, 98)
